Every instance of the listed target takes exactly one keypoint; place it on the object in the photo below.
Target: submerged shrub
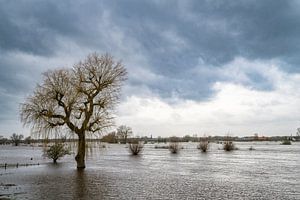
(56, 151)
(135, 147)
(251, 148)
(286, 142)
(228, 146)
(174, 147)
(203, 145)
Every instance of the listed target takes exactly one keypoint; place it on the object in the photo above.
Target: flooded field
(271, 171)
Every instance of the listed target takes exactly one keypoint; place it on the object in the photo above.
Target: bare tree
(56, 151)
(81, 99)
(16, 139)
(124, 132)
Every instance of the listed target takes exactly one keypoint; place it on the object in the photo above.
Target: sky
(194, 67)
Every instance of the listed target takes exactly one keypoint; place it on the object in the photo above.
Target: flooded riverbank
(271, 171)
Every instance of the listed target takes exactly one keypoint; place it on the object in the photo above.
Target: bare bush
(135, 147)
(286, 142)
(174, 145)
(203, 146)
(228, 146)
(56, 151)
(251, 148)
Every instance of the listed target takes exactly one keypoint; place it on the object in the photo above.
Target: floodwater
(271, 171)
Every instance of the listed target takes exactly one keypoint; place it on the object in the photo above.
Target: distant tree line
(113, 137)
(124, 135)
(15, 139)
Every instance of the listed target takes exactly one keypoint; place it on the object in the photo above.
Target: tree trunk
(80, 152)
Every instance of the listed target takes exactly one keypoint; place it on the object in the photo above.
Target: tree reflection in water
(89, 184)
(80, 185)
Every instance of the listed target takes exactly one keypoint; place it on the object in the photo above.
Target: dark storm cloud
(12, 77)
(215, 32)
(32, 26)
(175, 37)
(16, 80)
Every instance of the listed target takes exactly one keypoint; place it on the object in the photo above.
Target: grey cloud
(217, 32)
(169, 39)
(32, 26)
(171, 35)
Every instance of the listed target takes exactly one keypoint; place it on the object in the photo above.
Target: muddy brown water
(271, 171)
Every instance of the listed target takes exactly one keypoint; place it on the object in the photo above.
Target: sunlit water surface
(271, 171)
